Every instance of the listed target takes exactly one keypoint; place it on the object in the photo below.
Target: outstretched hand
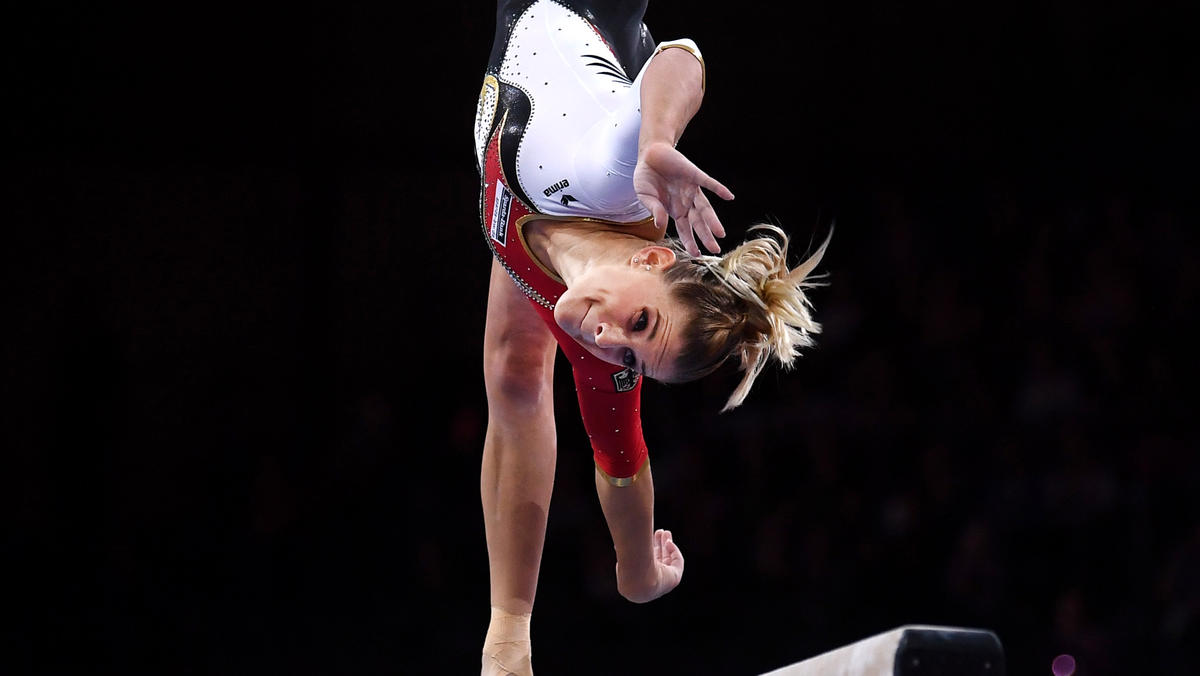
(666, 575)
(670, 185)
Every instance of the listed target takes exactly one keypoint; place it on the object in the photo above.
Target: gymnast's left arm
(668, 183)
(649, 563)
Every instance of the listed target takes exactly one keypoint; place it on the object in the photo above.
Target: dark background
(246, 299)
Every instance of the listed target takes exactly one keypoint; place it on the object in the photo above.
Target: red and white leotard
(556, 136)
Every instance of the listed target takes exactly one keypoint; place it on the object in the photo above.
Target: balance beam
(911, 650)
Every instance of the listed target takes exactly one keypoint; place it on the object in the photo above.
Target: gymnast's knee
(518, 377)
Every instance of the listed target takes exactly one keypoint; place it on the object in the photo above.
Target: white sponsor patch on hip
(501, 204)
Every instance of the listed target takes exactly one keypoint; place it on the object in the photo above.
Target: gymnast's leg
(519, 454)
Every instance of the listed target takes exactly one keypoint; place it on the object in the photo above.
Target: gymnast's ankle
(506, 648)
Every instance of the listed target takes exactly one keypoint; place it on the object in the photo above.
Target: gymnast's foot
(506, 649)
(663, 576)
(499, 665)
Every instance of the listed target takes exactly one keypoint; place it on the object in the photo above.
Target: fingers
(709, 215)
(666, 551)
(711, 184)
(705, 223)
(678, 192)
(662, 539)
(672, 556)
(702, 216)
(660, 217)
(704, 233)
(716, 187)
(657, 211)
(683, 227)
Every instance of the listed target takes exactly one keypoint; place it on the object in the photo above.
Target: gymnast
(575, 136)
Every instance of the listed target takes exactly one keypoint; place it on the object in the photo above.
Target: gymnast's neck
(570, 248)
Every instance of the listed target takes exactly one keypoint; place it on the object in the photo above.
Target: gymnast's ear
(655, 256)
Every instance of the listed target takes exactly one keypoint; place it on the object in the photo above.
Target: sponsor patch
(500, 208)
(625, 380)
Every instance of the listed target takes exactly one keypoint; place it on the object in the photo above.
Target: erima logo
(625, 380)
(567, 199)
(556, 187)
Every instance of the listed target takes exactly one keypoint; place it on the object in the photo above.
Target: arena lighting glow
(1063, 665)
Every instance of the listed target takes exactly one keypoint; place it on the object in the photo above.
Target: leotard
(556, 135)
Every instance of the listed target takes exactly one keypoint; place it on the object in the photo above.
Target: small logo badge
(605, 66)
(556, 187)
(625, 380)
(567, 199)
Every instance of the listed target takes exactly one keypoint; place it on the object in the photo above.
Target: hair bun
(783, 323)
(747, 303)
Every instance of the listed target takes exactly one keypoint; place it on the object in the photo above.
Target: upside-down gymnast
(575, 136)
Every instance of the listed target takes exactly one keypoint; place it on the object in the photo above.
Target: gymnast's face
(624, 313)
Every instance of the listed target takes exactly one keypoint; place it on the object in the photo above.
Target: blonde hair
(746, 303)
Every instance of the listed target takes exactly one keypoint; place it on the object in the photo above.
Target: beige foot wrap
(506, 649)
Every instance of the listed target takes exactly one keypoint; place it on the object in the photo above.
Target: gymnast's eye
(629, 359)
(642, 321)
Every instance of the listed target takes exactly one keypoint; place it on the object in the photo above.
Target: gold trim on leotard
(621, 482)
(489, 82)
(689, 50)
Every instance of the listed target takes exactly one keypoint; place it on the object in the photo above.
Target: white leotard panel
(577, 155)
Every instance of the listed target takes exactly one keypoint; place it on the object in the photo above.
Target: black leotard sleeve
(619, 22)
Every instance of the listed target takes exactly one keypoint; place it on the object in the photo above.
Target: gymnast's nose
(609, 335)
